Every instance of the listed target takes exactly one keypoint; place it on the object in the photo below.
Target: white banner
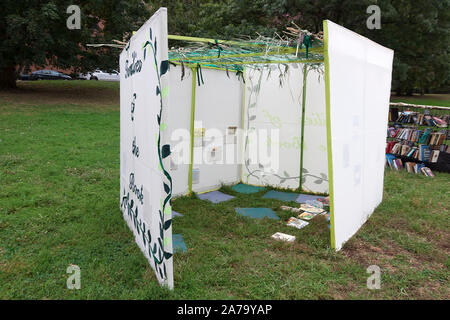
(145, 181)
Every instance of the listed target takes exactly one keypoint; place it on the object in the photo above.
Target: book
(307, 215)
(410, 166)
(296, 223)
(427, 171)
(283, 237)
(424, 152)
(434, 156)
(310, 209)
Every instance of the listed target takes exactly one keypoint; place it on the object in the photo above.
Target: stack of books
(422, 119)
(396, 164)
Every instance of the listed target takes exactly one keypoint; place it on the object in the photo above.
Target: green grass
(59, 205)
(442, 100)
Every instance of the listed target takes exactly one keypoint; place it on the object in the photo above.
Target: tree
(35, 33)
(417, 30)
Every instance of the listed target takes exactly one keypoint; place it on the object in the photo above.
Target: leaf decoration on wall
(165, 152)
(164, 67)
(166, 188)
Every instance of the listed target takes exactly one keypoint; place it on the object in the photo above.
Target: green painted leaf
(167, 255)
(157, 90)
(166, 188)
(167, 224)
(165, 151)
(165, 92)
(164, 67)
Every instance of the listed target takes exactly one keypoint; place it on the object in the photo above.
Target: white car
(101, 75)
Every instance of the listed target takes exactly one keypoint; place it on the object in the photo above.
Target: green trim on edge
(191, 163)
(328, 122)
(243, 125)
(305, 74)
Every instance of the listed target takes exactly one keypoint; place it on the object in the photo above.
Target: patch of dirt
(30, 94)
(366, 254)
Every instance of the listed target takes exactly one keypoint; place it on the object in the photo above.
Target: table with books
(418, 138)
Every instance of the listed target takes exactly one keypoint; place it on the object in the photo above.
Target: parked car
(101, 75)
(49, 75)
(23, 76)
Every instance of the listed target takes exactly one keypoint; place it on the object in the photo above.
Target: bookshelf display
(418, 137)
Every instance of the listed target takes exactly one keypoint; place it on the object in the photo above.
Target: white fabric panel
(178, 128)
(218, 105)
(145, 179)
(315, 157)
(269, 106)
(272, 106)
(360, 80)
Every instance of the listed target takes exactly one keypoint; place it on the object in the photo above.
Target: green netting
(234, 55)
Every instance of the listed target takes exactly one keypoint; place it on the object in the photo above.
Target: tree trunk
(8, 77)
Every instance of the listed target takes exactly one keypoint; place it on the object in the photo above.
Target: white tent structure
(319, 117)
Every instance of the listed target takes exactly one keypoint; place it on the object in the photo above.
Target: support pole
(328, 121)
(243, 126)
(302, 137)
(191, 163)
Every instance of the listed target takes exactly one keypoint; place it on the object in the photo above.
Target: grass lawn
(59, 205)
(442, 100)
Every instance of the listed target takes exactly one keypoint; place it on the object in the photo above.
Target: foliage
(35, 33)
(418, 31)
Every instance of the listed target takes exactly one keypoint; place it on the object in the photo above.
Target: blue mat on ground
(245, 188)
(257, 213)
(283, 196)
(215, 196)
(176, 214)
(178, 243)
(302, 198)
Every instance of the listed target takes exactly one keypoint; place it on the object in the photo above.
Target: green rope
(199, 74)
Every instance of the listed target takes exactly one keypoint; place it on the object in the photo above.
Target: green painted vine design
(158, 253)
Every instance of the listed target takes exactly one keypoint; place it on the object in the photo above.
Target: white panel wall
(272, 106)
(218, 105)
(145, 182)
(359, 79)
(178, 127)
(315, 160)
